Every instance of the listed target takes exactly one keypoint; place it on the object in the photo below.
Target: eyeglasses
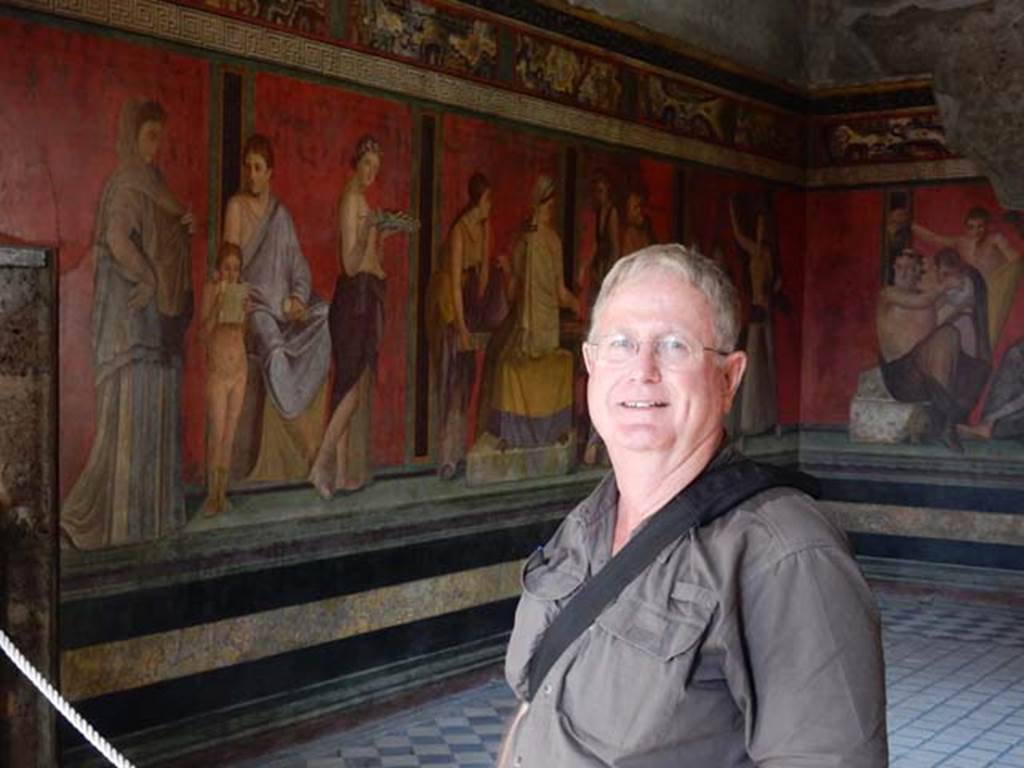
(671, 351)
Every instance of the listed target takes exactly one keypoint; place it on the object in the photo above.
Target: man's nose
(646, 366)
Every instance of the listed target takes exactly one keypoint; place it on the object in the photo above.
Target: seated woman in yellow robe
(531, 386)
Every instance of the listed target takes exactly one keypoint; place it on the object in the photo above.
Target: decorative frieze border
(892, 173)
(213, 32)
(258, 41)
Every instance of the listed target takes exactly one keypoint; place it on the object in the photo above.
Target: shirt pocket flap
(552, 575)
(662, 633)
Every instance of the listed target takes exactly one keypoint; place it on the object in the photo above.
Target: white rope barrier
(61, 703)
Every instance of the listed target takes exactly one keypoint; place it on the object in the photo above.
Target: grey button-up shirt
(754, 641)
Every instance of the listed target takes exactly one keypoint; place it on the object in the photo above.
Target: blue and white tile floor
(955, 674)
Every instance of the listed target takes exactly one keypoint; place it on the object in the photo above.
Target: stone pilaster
(28, 516)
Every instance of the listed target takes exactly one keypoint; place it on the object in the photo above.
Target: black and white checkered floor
(955, 674)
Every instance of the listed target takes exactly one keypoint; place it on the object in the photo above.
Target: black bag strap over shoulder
(711, 495)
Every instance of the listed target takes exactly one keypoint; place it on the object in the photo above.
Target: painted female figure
(463, 301)
(356, 320)
(531, 388)
(131, 488)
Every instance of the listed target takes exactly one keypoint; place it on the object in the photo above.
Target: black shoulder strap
(712, 494)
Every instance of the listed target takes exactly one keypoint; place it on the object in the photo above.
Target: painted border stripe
(930, 523)
(101, 669)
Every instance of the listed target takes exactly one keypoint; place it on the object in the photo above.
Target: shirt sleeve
(810, 679)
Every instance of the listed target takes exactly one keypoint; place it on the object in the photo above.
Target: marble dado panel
(928, 522)
(28, 579)
(122, 665)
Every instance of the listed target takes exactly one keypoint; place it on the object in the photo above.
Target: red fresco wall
(844, 246)
(62, 94)
(708, 194)
(314, 130)
(789, 322)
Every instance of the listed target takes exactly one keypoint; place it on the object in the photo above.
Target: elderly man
(749, 639)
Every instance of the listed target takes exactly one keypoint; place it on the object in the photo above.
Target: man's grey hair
(704, 274)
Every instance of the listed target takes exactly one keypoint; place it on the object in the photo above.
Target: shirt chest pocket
(626, 685)
(548, 580)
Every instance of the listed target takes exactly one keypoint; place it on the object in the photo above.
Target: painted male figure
(992, 255)
(751, 641)
(922, 360)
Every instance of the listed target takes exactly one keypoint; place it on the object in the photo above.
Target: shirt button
(547, 689)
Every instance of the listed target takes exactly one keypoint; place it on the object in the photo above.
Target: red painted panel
(62, 93)
(843, 266)
(314, 129)
(789, 210)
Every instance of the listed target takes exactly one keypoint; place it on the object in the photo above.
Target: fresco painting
(348, 195)
(931, 329)
(54, 176)
(887, 138)
(429, 34)
(283, 357)
(500, 262)
(308, 17)
(109, 184)
(130, 489)
(739, 223)
(565, 73)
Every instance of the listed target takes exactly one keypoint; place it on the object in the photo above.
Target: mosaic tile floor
(955, 674)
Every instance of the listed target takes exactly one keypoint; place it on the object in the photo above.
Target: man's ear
(588, 360)
(733, 366)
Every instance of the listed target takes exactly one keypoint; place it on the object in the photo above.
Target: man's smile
(641, 404)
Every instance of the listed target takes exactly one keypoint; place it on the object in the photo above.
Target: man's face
(906, 272)
(257, 174)
(639, 407)
(976, 228)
